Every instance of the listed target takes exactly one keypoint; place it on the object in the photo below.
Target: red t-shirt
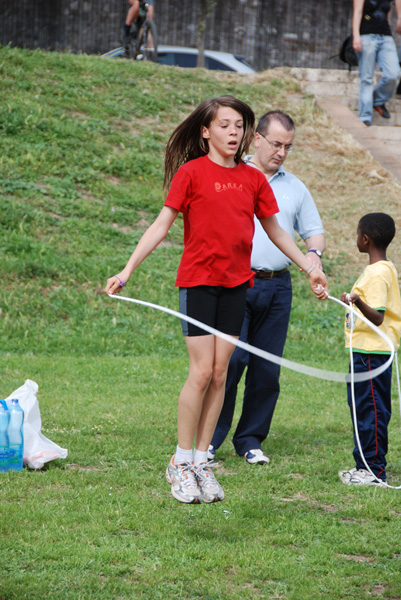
(218, 206)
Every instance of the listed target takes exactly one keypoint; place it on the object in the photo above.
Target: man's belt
(262, 274)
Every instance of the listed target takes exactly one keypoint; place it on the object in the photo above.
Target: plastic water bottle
(4, 441)
(16, 436)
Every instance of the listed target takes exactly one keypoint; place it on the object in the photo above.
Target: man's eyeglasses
(277, 146)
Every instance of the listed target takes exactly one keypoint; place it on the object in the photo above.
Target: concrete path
(336, 93)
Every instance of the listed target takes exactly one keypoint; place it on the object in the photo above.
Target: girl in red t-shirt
(218, 196)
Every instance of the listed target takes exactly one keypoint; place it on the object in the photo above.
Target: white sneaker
(256, 457)
(359, 477)
(211, 490)
(184, 485)
(211, 452)
(345, 475)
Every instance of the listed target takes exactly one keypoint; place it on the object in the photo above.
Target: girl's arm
(148, 242)
(375, 316)
(356, 24)
(286, 244)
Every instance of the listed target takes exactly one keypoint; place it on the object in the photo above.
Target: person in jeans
(268, 303)
(373, 42)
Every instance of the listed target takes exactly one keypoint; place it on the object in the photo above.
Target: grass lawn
(81, 159)
(102, 523)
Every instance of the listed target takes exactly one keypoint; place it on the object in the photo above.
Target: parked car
(187, 57)
(215, 60)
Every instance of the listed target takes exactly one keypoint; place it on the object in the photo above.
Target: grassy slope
(81, 176)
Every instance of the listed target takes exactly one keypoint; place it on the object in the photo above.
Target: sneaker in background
(184, 485)
(256, 457)
(211, 490)
(211, 452)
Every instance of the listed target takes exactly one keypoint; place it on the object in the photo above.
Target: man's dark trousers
(265, 326)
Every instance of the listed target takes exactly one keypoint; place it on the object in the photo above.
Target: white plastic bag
(37, 448)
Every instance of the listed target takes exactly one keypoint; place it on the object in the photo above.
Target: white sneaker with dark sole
(211, 490)
(256, 457)
(184, 485)
(211, 452)
(345, 475)
(359, 477)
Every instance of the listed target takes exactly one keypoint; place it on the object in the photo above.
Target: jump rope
(350, 377)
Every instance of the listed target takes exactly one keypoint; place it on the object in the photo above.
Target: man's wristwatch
(316, 252)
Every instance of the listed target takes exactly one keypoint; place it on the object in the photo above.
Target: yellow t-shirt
(378, 287)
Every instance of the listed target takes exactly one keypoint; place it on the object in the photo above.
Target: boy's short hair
(379, 227)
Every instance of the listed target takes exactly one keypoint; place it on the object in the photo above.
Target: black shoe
(383, 111)
(127, 34)
(125, 39)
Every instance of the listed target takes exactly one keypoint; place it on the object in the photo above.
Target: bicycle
(142, 43)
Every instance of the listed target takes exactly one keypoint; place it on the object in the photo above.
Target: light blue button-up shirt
(297, 211)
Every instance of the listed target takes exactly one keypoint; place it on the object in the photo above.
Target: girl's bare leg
(214, 397)
(201, 357)
(202, 396)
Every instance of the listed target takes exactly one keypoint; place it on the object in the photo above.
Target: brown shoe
(383, 111)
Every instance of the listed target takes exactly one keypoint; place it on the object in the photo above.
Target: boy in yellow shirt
(376, 295)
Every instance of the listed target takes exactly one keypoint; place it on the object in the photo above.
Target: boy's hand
(349, 298)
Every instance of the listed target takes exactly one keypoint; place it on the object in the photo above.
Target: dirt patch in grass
(122, 228)
(358, 558)
(326, 507)
(76, 467)
(378, 591)
(295, 498)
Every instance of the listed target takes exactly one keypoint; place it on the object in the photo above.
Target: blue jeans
(380, 49)
(268, 307)
(373, 412)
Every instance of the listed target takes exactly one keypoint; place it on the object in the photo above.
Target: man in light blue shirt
(269, 301)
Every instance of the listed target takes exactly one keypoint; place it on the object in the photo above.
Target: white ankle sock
(182, 456)
(199, 457)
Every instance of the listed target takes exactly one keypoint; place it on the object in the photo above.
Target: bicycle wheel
(147, 42)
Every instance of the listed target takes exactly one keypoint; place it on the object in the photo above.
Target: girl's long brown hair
(187, 143)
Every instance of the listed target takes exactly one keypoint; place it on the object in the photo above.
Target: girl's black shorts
(217, 306)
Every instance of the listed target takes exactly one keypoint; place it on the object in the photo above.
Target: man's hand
(318, 284)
